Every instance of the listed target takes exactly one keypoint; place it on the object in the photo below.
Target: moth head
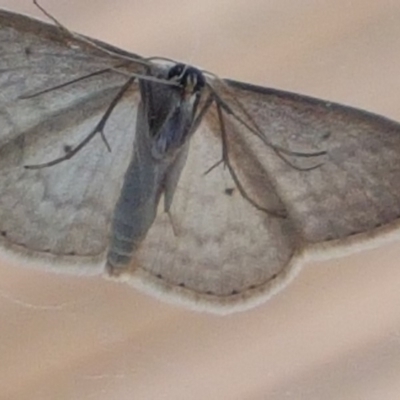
(190, 79)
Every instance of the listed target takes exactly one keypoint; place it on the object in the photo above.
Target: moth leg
(278, 150)
(233, 174)
(98, 129)
(173, 174)
(217, 164)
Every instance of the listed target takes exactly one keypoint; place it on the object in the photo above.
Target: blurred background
(334, 333)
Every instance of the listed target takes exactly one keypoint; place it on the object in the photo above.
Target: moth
(199, 190)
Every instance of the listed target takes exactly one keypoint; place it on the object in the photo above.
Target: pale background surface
(333, 334)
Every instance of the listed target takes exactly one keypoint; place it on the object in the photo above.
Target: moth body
(164, 121)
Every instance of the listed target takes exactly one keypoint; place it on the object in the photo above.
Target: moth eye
(176, 71)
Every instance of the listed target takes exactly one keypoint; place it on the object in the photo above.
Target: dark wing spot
(3, 233)
(229, 191)
(326, 135)
(67, 148)
(28, 51)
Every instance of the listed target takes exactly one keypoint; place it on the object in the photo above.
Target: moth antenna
(158, 58)
(211, 75)
(96, 73)
(51, 17)
(149, 78)
(65, 84)
(86, 40)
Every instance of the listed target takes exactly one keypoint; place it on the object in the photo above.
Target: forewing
(347, 193)
(61, 212)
